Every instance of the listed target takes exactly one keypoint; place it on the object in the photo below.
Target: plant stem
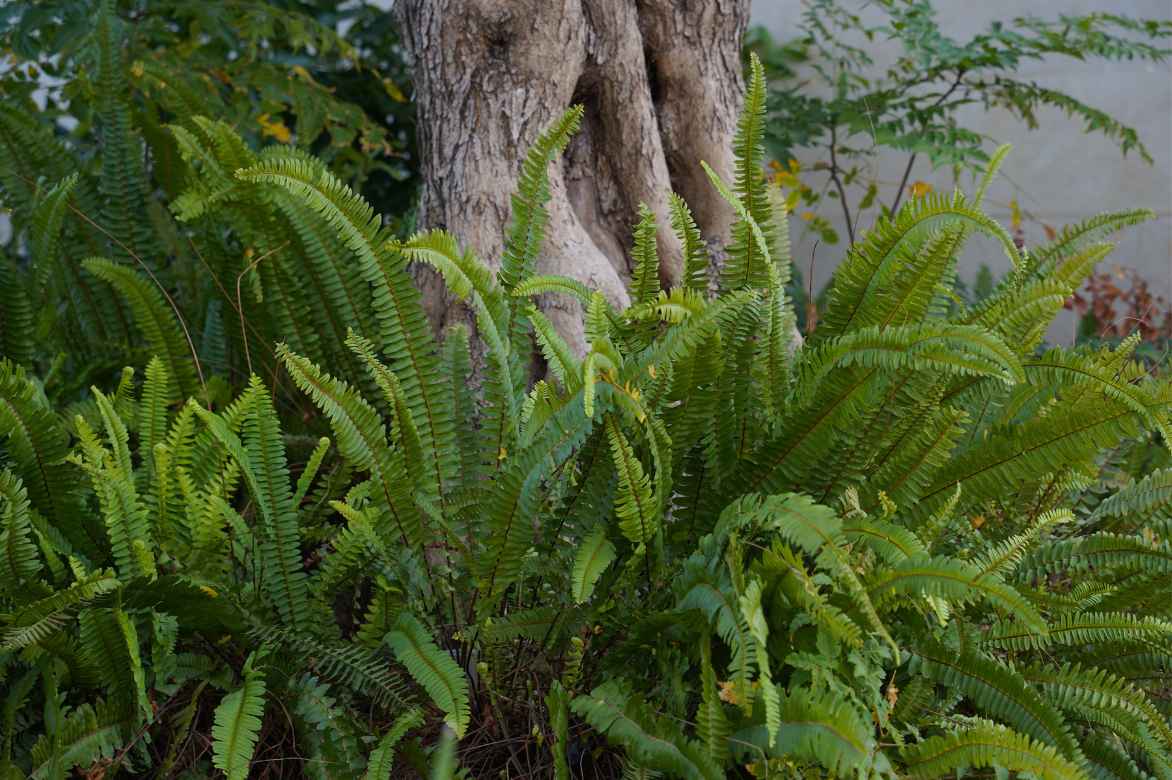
(834, 177)
(907, 172)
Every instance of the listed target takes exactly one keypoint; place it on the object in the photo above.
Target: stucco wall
(1057, 173)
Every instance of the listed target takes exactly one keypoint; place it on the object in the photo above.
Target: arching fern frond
(433, 669)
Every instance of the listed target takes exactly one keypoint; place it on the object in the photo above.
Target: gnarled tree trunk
(661, 83)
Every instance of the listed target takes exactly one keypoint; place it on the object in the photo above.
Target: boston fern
(699, 549)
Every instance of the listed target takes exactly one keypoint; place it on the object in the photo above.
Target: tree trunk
(661, 83)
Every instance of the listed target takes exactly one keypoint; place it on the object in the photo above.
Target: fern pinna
(697, 548)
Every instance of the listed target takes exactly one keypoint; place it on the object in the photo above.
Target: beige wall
(1057, 173)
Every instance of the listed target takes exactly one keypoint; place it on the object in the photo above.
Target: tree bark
(661, 83)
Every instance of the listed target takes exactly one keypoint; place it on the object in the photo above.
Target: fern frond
(382, 758)
(237, 723)
(526, 232)
(955, 580)
(878, 256)
(362, 441)
(154, 317)
(987, 744)
(654, 743)
(999, 691)
(696, 260)
(433, 669)
(403, 334)
(820, 728)
(644, 284)
(18, 554)
(594, 554)
(1073, 238)
(634, 504)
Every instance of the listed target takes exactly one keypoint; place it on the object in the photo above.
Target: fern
(238, 721)
(594, 556)
(651, 742)
(988, 744)
(382, 758)
(433, 669)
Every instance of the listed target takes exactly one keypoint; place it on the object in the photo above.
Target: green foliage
(238, 721)
(896, 549)
(915, 104)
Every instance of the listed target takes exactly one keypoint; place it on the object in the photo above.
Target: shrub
(881, 552)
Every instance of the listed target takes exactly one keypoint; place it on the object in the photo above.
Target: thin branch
(834, 177)
(907, 172)
(956, 82)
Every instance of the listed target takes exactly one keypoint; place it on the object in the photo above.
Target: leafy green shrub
(882, 552)
(89, 164)
(830, 97)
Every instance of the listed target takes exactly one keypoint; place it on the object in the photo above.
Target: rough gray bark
(661, 82)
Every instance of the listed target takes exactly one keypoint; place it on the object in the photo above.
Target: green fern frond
(154, 317)
(19, 560)
(878, 256)
(1000, 692)
(382, 758)
(696, 260)
(403, 335)
(361, 438)
(955, 580)
(818, 728)
(433, 669)
(654, 743)
(594, 555)
(35, 622)
(634, 504)
(988, 744)
(644, 284)
(88, 735)
(238, 721)
(1072, 238)
(526, 232)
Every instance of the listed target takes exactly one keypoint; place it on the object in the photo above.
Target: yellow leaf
(794, 165)
(504, 453)
(393, 91)
(977, 521)
(300, 72)
(728, 693)
(1014, 215)
(920, 189)
(210, 591)
(137, 69)
(274, 128)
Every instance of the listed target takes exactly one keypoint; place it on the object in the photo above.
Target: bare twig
(834, 177)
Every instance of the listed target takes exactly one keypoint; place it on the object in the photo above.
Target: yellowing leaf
(920, 188)
(274, 128)
(1014, 215)
(728, 692)
(393, 91)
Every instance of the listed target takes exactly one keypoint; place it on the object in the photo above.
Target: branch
(846, 211)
